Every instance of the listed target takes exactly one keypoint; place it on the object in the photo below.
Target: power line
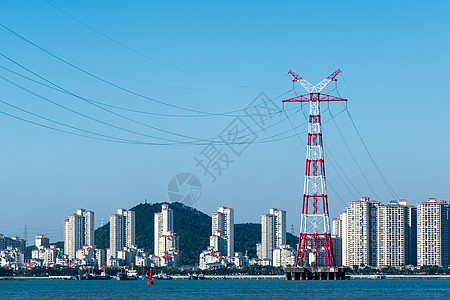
(62, 90)
(383, 178)
(168, 85)
(353, 157)
(205, 141)
(145, 55)
(114, 84)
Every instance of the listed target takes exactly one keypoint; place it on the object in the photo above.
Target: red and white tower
(315, 234)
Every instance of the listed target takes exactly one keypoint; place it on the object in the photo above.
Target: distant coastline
(246, 277)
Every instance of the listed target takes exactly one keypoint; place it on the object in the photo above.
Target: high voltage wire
(168, 85)
(383, 178)
(121, 140)
(379, 144)
(63, 90)
(57, 129)
(335, 163)
(204, 113)
(60, 89)
(145, 55)
(108, 138)
(82, 114)
(117, 127)
(21, 37)
(353, 157)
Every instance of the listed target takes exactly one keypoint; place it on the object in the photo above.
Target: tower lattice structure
(315, 232)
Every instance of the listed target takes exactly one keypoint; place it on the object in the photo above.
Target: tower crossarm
(307, 98)
(318, 88)
(323, 84)
(308, 86)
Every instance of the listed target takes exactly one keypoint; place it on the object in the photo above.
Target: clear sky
(216, 57)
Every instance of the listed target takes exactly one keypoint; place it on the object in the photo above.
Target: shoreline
(406, 276)
(240, 277)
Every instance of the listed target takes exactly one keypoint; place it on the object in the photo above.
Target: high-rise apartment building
(376, 235)
(361, 234)
(343, 234)
(42, 241)
(336, 227)
(411, 252)
(222, 237)
(392, 234)
(78, 232)
(273, 232)
(166, 242)
(121, 231)
(336, 240)
(433, 233)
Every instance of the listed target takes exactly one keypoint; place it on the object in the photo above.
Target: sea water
(228, 289)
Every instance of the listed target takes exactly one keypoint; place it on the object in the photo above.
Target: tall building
(121, 231)
(222, 237)
(361, 234)
(376, 235)
(42, 241)
(273, 232)
(12, 242)
(78, 232)
(336, 239)
(411, 253)
(336, 227)
(433, 233)
(166, 242)
(343, 232)
(392, 234)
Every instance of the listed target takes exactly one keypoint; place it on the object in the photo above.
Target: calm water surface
(229, 289)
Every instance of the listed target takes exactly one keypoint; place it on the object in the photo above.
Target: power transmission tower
(25, 235)
(315, 233)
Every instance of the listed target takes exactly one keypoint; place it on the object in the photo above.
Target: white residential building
(392, 231)
(336, 240)
(12, 258)
(343, 232)
(78, 232)
(47, 256)
(222, 237)
(210, 259)
(42, 241)
(283, 256)
(433, 233)
(121, 231)
(336, 227)
(166, 242)
(361, 234)
(273, 232)
(376, 235)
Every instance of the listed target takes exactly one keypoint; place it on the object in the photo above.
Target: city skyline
(387, 67)
(332, 224)
(397, 234)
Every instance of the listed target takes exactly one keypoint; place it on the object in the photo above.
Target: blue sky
(217, 57)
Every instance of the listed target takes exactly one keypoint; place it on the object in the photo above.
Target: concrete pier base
(315, 273)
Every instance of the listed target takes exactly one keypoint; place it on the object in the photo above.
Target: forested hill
(192, 226)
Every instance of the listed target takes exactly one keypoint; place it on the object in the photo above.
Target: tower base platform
(315, 273)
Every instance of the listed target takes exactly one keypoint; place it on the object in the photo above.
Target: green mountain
(192, 226)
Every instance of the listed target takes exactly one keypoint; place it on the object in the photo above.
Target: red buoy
(149, 277)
